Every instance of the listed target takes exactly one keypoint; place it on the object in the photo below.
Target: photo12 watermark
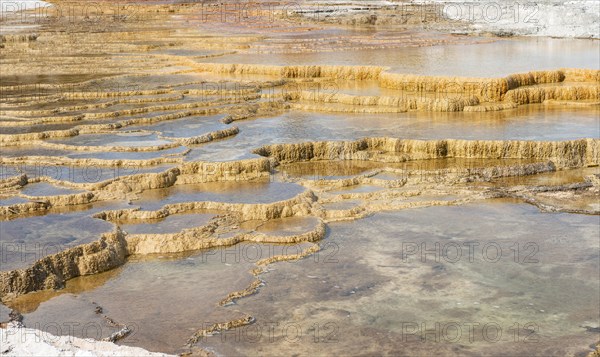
(265, 332)
(469, 332)
(328, 253)
(470, 252)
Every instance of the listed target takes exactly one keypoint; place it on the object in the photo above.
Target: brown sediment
(582, 75)
(120, 187)
(249, 290)
(205, 138)
(562, 154)
(403, 102)
(209, 108)
(530, 95)
(421, 176)
(205, 238)
(46, 202)
(573, 153)
(490, 107)
(498, 89)
(257, 282)
(112, 249)
(91, 162)
(580, 198)
(290, 257)
(595, 353)
(53, 271)
(299, 205)
(471, 90)
(315, 71)
(218, 327)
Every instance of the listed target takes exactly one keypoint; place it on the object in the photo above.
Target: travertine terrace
(124, 115)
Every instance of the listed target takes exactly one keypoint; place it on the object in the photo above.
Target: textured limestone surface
(174, 133)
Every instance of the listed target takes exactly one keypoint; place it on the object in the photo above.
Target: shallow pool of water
(164, 299)
(283, 226)
(24, 240)
(47, 189)
(169, 224)
(188, 127)
(379, 286)
(499, 58)
(80, 173)
(126, 139)
(532, 122)
(231, 192)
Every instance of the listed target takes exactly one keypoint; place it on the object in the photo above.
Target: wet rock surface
(170, 179)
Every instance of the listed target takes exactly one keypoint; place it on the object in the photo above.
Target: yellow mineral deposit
(154, 86)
